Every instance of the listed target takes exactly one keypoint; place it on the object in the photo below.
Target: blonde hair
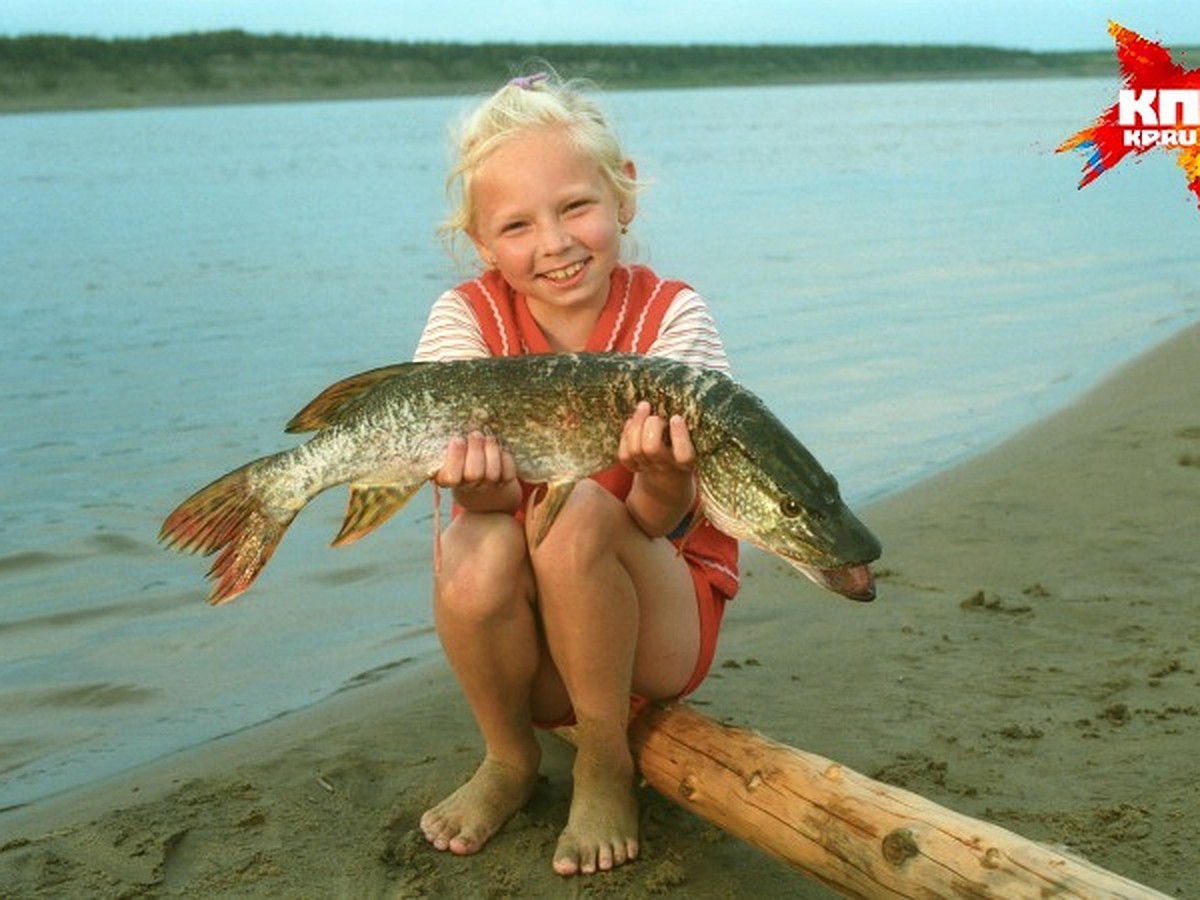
(541, 100)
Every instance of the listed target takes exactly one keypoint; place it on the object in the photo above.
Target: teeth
(565, 273)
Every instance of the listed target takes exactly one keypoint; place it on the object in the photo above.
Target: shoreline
(1031, 660)
(115, 100)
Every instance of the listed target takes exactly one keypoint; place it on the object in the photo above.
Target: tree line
(44, 68)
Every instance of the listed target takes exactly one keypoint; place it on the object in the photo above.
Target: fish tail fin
(229, 516)
(370, 506)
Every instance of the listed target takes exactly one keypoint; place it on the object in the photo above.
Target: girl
(607, 608)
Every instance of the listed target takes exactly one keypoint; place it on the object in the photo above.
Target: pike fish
(385, 433)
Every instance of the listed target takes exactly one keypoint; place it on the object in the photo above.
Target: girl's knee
(484, 565)
(589, 526)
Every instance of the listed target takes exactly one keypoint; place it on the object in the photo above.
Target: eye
(790, 508)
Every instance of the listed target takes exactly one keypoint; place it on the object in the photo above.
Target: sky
(1020, 24)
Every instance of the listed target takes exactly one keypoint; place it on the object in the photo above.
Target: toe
(568, 860)
(606, 858)
(432, 827)
(463, 844)
(565, 865)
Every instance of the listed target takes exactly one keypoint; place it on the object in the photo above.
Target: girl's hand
(653, 445)
(660, 454)
(481, 472)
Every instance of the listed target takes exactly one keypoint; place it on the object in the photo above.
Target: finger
(451, 472)
(630, 447)
(625, 446)
(637, 422)
(475, 464)
(508, 466)
(682, 447)
(493, 463)
(653, 430)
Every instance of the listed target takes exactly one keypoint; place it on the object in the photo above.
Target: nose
(554, 238)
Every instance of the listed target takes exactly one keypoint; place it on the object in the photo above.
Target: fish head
(761, 485)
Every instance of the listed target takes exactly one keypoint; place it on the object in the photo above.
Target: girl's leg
(486, 622)
(620, 616)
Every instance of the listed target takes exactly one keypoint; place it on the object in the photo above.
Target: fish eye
(790, 507)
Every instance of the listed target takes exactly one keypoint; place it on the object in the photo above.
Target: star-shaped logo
(1158, 107)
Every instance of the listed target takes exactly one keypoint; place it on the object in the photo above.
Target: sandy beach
(1032, 660)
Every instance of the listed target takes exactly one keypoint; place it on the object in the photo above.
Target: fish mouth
(854, 582)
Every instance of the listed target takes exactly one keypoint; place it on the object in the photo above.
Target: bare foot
(602, 828)
(464, 821)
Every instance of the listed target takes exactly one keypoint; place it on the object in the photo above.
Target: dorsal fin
(338, 396)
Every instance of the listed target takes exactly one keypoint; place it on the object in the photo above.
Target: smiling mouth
(566, 273)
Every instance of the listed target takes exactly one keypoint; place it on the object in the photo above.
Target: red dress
(630, 322)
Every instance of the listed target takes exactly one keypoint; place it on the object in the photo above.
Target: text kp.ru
(1144, 113)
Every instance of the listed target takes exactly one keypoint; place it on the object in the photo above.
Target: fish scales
(560, 416)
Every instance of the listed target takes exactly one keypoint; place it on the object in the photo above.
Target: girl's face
(546, 217)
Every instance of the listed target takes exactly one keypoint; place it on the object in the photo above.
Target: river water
(905, 273)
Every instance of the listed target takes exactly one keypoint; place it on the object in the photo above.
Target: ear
(485, 255)
(628, 207)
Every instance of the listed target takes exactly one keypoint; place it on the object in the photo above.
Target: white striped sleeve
(689, 335)
(451, 332)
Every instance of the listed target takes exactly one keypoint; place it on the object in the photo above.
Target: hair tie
(526, 82)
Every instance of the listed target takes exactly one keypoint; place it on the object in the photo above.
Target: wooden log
(856, 835)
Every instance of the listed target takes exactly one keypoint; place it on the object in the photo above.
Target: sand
(1032, 660)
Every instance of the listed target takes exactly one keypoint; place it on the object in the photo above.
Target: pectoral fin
(546, 510)
(370, 506)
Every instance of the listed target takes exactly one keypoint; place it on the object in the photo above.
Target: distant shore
(57, 72)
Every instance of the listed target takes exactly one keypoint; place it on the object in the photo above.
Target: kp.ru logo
(1159, 107)
(1142, 113)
